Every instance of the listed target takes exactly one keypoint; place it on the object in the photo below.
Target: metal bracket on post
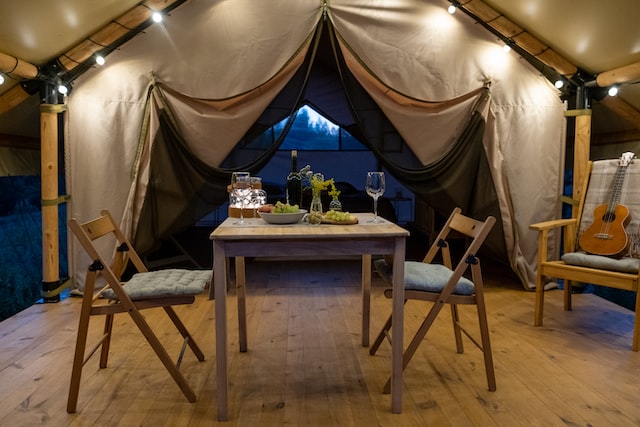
(51, 290)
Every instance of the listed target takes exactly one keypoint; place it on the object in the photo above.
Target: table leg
(366, 298)
(241, 288)
(220, 288)
(228, 280)
(397, 327)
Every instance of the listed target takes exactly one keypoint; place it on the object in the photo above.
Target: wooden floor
(305, 365)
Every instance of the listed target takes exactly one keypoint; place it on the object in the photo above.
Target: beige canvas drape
(423, 54)
(222, 55)
(212, 126)
(217, 51)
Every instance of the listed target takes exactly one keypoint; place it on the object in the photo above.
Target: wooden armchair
(606, 177)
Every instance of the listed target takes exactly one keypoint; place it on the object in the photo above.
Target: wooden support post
(581, 153)
(50, 200)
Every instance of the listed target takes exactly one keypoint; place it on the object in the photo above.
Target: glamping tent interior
(494, 106)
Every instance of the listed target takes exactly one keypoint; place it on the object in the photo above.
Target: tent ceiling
(37, 31)
(595, 36)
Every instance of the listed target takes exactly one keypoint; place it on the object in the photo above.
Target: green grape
(338, 216)
(284, 208)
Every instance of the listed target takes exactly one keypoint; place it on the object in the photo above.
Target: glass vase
(335, 205)
(315, 211)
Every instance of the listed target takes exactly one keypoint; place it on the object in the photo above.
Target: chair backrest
(105, 227)
(472, 229)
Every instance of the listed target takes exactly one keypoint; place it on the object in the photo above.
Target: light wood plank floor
(305, 365)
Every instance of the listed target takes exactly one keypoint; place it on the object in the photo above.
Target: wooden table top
(257, 229)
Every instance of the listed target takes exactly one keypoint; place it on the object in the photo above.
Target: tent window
(313, 131)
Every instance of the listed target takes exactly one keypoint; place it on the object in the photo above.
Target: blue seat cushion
(622, 265)
(421, 276)
(166, 283)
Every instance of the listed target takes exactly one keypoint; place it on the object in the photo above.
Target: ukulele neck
(618, 181)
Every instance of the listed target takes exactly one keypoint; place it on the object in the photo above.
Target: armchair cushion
(421, 276)
(623, 265)
(164, 283)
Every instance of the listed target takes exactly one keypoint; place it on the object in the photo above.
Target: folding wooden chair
(443, 283)
(145, 289)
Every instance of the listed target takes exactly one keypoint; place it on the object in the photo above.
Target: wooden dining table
(256, 238)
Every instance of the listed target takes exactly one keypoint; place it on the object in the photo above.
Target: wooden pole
(17, 67)
(51, 286)
(627, 74)
(581, 153)
(582, 144)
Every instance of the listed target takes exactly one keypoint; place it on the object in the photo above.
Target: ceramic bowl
(283, 218)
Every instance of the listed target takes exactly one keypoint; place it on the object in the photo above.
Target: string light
(613, 91)
(559, 84)
(100, 60)
(1, 79)
(453, 6)
(157, 17)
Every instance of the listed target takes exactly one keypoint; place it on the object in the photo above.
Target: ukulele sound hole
(609, 217)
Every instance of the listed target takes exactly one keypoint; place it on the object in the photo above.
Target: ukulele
(607, 235)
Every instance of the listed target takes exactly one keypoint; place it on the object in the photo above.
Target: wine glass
(233, 196)
(375, 189)
(241, 190)
(236, 175)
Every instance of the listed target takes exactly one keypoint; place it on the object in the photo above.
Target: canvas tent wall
(224, 62)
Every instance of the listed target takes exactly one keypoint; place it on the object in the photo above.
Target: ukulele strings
(609, 214)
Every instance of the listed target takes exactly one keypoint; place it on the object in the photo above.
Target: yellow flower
(334, 193)
(318, 184)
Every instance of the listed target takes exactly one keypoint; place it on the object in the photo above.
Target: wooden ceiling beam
(113, 32)
(17, 67)
(627, 74)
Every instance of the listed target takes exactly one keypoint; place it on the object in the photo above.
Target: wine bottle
(294, 182)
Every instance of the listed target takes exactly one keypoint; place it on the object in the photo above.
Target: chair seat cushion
(421, 276)
(163, 284)
(623, 265)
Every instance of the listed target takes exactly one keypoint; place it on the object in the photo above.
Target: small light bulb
(451, 9)
(613, 91)
(62, 89)
(157, 17)
(506, 48)
(559, 84)
(100, 60)
(1, 79)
